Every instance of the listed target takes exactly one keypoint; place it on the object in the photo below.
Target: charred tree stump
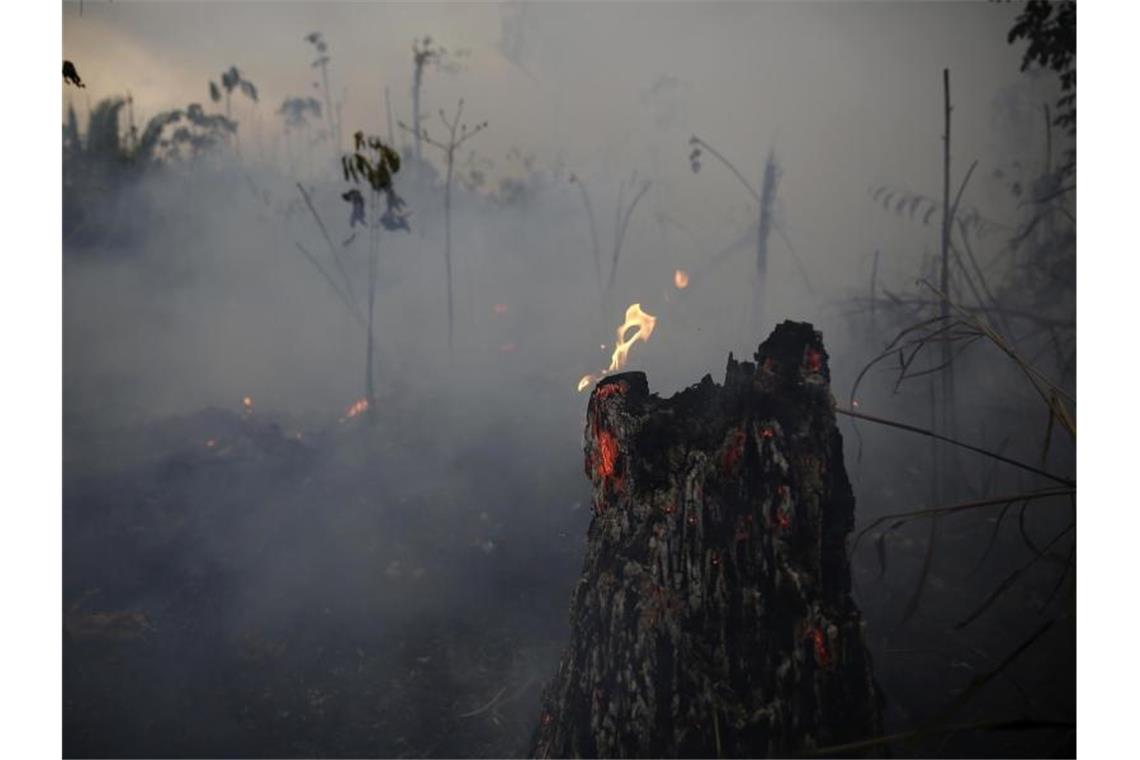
(714, 616)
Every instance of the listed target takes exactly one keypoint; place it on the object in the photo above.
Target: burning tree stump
(714, 617)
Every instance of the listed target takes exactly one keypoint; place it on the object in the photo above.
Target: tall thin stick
(764, 227)
(373, 254)
(388, 109)
(953, 442)
(874, 283)
(944, 311)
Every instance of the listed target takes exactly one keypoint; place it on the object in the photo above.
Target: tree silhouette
(373, 164)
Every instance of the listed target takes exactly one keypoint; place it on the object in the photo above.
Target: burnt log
(714, 615)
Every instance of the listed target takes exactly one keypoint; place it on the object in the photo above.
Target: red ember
(819, 642)
(607, 454)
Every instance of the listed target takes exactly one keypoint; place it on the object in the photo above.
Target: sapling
(457, 134)
(373, 164)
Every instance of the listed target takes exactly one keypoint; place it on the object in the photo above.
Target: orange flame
(681, 279)
(356, 409)
(634, 318)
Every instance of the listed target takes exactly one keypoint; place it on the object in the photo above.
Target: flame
(247, 402)
(357, 408)
(681, 279)
(634, 318)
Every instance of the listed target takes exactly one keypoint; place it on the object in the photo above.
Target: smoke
(326, 558)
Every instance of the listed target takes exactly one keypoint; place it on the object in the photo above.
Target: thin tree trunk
(417, 82)
(373, 252)
(874, 283)
(447, 251)
(334, 128)
(388, 110)
(947, 374)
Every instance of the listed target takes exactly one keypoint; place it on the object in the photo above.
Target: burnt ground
(268, 596)
(401, 591)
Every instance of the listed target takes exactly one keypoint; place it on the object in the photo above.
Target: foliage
(332, 115)
(1051, 30)
(103, 130)
(70, 75)
(195, 132)
(232, 79)
(425, 53)
(294, 109)
(925, 209)
(374, 163)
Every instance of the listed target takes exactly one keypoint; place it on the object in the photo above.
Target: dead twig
(947, 439)
(486, 707)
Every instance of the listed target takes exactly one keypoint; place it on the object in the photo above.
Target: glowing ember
(681, 279)
(211, 443)
(500, 308)
(735, 450)
(814, 360)
(783, 520)
(356, 409)
(247, 402)
(607, 454)
(819, 644)
(634, 318)
(612, 389)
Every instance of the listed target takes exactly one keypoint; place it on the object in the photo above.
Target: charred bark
(714, 616)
